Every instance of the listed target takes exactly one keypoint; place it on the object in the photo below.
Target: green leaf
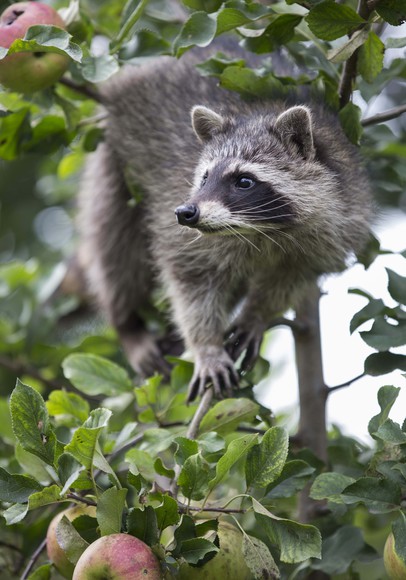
(95, 375)
(212, 446)
(297, 542)
(46, 38)
(378, 495)
(350, 119)
(186, 448)
(373, 309)
(110, 506)
(41, 573)
(161, 469)
(196, 549)
(396, 42)
(141, 463)
(194, 477)
(279, 32)
(266, 460)
(386, 398)
(167, 513)
(15, 130)
(258, 558)
(17, 488)
(70, 404)
(329, 486)
(329, 20)
(393, 11)
(236, 450)
(341, 549)
(391, 433)
(84, 440)
(227, 415)
(69, 470)
(97, 69)
(384, 335)
(293, 478)
(31, 424)
(370, 57)
(199, 30)
(399, 534)
(380, 363)
(70, 540)
(397, 286)
(142, 523)
(344, 51)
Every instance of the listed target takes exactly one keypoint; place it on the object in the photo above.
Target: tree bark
(312, 390)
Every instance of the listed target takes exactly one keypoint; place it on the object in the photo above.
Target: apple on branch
(118, 557)
(27, 72)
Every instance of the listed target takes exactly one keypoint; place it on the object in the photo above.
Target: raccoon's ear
(206, 122)
(295, 127)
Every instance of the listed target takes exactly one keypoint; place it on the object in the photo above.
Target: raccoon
(242, 205)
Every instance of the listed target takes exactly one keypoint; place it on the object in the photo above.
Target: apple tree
(90, 454)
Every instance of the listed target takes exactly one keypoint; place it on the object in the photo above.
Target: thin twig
(33, 559)
(385, 116)
(85, 500)
(82, 89)
(186, 508)
(20, 368)
(343, 385)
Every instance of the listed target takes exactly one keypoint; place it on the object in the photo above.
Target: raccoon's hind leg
(115, 255)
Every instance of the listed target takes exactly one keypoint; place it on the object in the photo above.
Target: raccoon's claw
(219, 373)
(241, 340)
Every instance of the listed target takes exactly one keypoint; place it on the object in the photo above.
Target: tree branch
(350, 67)
(201, 410)
(312, 392)
(385, 116)
(82, 89)
(19, 368)
(330, 390)
(33, 559)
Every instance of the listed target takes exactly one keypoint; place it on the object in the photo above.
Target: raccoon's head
(255, 171)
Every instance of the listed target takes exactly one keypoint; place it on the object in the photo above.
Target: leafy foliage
(78, 427)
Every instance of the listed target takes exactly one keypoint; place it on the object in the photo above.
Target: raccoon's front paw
(245, 338)
(213, 367)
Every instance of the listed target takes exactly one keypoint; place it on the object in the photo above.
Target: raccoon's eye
(204, 179)
(245, 182)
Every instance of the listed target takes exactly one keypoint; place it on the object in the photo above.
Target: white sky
(352, 407)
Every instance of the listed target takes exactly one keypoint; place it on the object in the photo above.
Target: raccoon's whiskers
(241, 236)
(260, 231)
(239, 205)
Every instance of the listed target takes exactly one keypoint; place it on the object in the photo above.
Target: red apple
(118, 557)
(27, 72)
(394, 565)
(54, 550)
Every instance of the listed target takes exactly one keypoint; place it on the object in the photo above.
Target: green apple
(118, 557)
(227, 564)
(27, 72)
(54, 550)
(394, 565)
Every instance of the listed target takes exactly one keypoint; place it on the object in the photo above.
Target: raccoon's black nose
(188, 215)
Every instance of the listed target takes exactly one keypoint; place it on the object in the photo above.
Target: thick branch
(350, 67)
(312, 392)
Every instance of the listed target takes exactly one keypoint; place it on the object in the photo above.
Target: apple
(54, 550)
(118, 557)
(394, 565)
(227, 564)
(27, 72)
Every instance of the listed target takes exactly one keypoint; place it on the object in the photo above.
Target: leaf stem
(135, 16)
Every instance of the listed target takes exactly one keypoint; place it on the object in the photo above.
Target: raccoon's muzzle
(187, 215)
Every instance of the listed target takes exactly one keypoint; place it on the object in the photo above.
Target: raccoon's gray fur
(267, 198)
